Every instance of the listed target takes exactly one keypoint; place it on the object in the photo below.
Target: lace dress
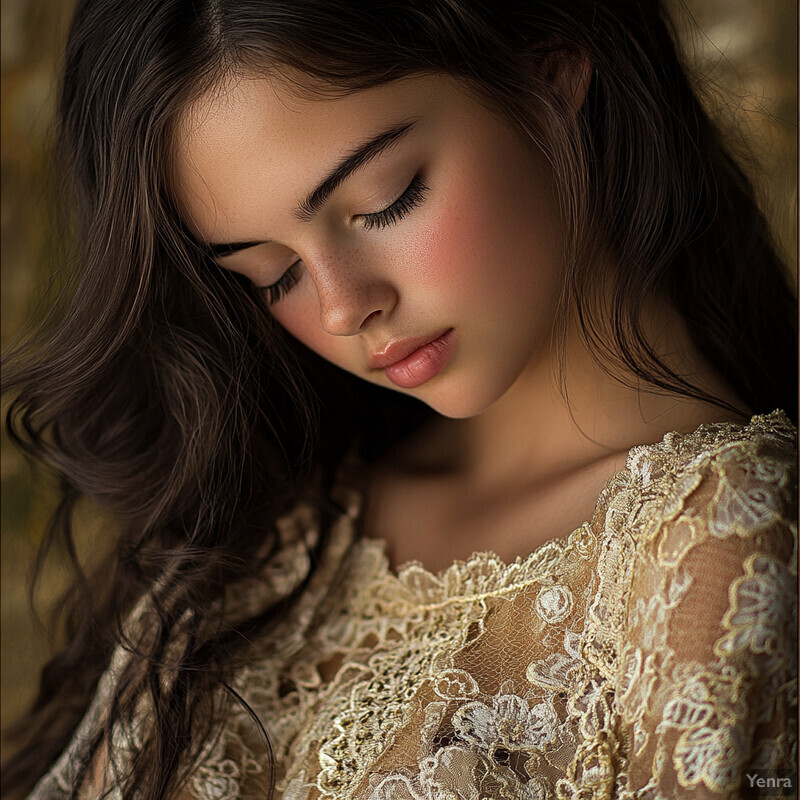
(649, 654)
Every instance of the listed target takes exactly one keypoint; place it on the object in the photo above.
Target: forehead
(257, 135)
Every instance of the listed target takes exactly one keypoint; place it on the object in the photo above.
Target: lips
(396, 351)
(409, 363)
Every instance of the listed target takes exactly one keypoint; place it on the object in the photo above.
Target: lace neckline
(464, 580)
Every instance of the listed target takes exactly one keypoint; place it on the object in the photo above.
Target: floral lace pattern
(650, 654)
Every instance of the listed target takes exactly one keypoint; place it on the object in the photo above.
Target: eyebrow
(348, 165)
(315, 199)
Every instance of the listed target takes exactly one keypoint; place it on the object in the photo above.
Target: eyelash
(283, 285)
(410, 199)
(391, 215)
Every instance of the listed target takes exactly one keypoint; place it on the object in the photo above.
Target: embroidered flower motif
(594, 768)
(452, 767)
(761, 616)
(298, 789)
(768, 470)
(593, 704)
(455, 773)
(473, 776)
(744, 505)
(634, 689)
(584, 540)
(708, 709)
(642, 465)
(395, 787)
(553, 603)
(511, 723)
(552, 672)
(455, 684)
(220, 781)
(678, 587)
(684, 486)
(650, 618)
(643, 471)
(711, 756)
(572, 643)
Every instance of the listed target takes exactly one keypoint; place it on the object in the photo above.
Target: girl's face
(406, 233)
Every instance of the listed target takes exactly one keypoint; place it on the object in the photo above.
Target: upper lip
(392, 352)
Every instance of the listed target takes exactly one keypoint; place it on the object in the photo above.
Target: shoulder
(721, 481)
(725, 508)
(705, 508)
(717, 495)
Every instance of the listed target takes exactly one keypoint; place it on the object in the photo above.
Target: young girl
(429, 359)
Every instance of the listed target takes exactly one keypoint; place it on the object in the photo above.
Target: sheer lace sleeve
(708, 676)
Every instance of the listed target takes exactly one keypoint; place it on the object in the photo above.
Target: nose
(352, 295)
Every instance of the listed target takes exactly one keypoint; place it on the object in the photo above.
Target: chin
(455, 400)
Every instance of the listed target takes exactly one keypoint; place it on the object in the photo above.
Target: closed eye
(284, 284)
(392, 214)
(413, 195)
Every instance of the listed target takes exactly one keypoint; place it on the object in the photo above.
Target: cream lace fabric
(649, 654)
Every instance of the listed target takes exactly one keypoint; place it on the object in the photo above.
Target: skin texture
(482, 253)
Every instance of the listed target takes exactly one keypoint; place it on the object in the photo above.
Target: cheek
(298, 313)
(472, 249)
(456, 249)
(437, 257)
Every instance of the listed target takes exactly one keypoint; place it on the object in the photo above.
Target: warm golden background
(747, 47)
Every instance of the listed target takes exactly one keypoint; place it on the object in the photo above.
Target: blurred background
(745, 50)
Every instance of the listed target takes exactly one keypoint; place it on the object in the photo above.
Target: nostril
(368, 318)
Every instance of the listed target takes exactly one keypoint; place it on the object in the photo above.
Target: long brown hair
(159, 387)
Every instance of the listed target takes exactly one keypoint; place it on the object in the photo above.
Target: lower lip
(424, 363)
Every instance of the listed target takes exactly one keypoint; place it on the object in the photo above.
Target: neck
(532, 433)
